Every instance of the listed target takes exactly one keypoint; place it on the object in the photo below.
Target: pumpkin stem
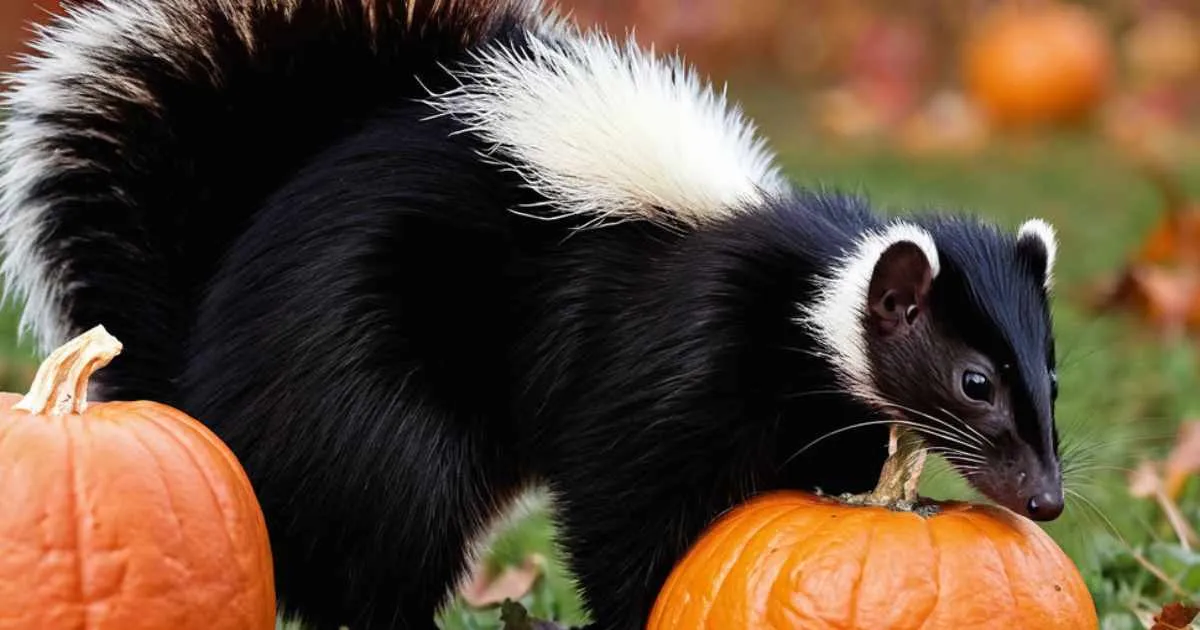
(902, 470)
(60, 386)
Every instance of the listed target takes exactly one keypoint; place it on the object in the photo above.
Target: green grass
(1123, 391)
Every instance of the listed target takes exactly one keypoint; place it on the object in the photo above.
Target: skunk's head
(945, 324)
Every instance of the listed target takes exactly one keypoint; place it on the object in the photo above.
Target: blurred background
(1085, 113)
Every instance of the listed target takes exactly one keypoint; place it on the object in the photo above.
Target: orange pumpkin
(1042, 64)
(795, 560)
(122, 515)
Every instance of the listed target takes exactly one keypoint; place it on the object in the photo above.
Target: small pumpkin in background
(883, 560)
(1044, 63)
(122, 515)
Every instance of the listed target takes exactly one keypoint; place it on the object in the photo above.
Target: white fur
(64, 53)
(72, 51)
(1044, 232)
(612, 132)
(837, 312)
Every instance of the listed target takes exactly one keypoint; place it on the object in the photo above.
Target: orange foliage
(1177, 616)
(1161, 283)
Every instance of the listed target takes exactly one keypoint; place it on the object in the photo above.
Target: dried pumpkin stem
(901, 471)
(60, 386)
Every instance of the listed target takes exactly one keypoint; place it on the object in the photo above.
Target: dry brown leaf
(1184, 459)
(1168, 292)
(1145, 481)
(1167, 298)
(1175, 240)
(513, 582)
(1176, 616)
(1161, 283)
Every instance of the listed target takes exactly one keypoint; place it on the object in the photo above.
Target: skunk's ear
(1037, 245)
(899, 287)
(869, 293)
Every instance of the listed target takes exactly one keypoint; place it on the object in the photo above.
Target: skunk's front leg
(626, 518)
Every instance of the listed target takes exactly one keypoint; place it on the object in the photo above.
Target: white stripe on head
(1044, 233)
(611, 132)
(837, 312)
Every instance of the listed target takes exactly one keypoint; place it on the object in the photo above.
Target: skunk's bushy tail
(142, 134)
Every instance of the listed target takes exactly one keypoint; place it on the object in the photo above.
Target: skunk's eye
(1053, 385)
(976, 386)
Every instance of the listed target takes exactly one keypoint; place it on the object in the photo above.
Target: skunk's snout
(1041, 500)
(1045, 506)
(1018, 479)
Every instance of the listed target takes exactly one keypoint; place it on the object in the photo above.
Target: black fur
(228, 126)
(298, 256)
(393, 356)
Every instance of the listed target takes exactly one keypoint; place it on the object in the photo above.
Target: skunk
(412, 258)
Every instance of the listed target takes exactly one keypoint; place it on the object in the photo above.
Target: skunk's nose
(1046, 506)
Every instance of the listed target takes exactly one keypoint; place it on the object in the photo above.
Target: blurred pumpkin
(797, 560)
(122, 515)
(1046, 63)
(1163, 46)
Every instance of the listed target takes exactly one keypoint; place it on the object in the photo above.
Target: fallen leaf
(1161, 282)
(1175, 616)
(1146, 480)
(1165, 297)
(1184, 459)
(1175, 240)
(512, 582)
